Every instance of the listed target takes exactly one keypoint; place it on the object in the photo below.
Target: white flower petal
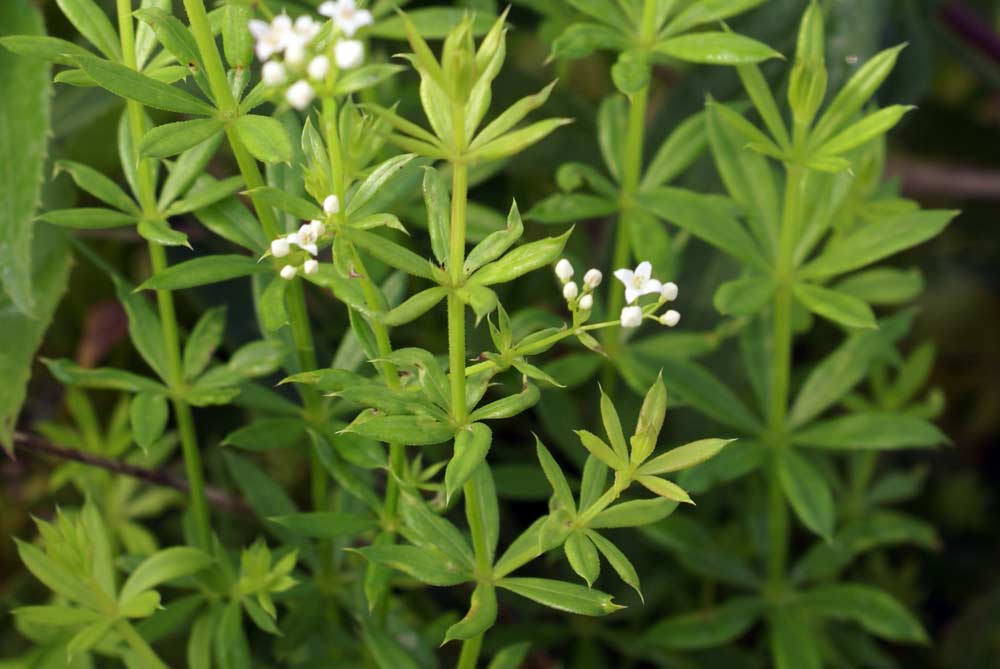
(624, 275)
(645, 270)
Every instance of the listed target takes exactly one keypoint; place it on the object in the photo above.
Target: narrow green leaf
(678, 151)
(744, 297)
(170, 139)
(204, 270)
(481, 616)
(876, 611)
(621, 564)
(390, 253)
(496, 243)
(793, 644)
(98, 185)
(561, 596)
(161, 567)
(685, 456)
(711, 628)
(204, 339)
(268, 433)
(415, 307)
(872, 126)
(707, 11)
(89, 19)
(522, 260)
(582, 556)
(438, 215)
(88, 218)
(148, 415)
(860, 431)
(376, 181)
(409, 430)
(716, 48)
(554, 473)
(838, 307)
(634, 513)
(516, 141)
(265, 138)
(875, 241)
(128, 83)
(808, 493)
(471, 446)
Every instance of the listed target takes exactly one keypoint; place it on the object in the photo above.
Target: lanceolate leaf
(713, 627)
(876, 611)
(128, 83)
(875, 430)
(807, 492)
(563, 596)
(716, 48)
(201, 271)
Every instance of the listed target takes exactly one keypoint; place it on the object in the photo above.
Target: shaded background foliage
(945, 156)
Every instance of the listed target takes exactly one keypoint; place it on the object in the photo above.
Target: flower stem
(164, 298)
(631, 173)
(297, 313)
(470, 653)
(374, 300)
(780, 376)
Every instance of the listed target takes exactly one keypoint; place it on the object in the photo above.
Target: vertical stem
(373, 299)
(164, 298)
(298, 315)
(631, 173)
(470, 653)
(456, 352)
(781, 374)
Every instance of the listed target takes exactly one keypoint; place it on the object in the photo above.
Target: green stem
(147, 655)
(470, 653)
(374, 300)
(635, 138)
(781, 375)
(297, 313)
(456, 353)
(164, 298)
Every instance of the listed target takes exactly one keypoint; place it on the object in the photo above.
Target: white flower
(306, 27)
(271, 37)
(273, 73)
(670, 318)
(631, 317)
(318, 67)
(295, 53)
(279, 247)
(306, 239)
(288, 272)
(587, 302)
(638, 282)
(669, 291)
(300, 94)
(349, 53)
(311, 266)
(592, 279)
(318, 228)
(564, 270)
(331, 204)
(570, 291)
(346, 15)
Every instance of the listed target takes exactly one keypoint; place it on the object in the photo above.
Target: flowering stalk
(631, 174)
(164, 298)
(297, 313)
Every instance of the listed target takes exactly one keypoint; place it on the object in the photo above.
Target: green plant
(411, 418)
(808, 254)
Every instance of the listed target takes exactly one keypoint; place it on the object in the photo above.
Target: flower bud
(300, 94)
(570, 291)
(631, 317)
(669, 291)
(318, 67)
(295, 53)
(317, 228)
(592, 279)
(564, 270)
(670, 318)
(331, 204)
(587, 302)
(311, 266)
(349, 53)
(288, 272)
(273, 73)
(279, 248)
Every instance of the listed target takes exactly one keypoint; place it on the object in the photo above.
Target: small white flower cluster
(584, 301)
(639, 282)
(293, 42)
(306, 239)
